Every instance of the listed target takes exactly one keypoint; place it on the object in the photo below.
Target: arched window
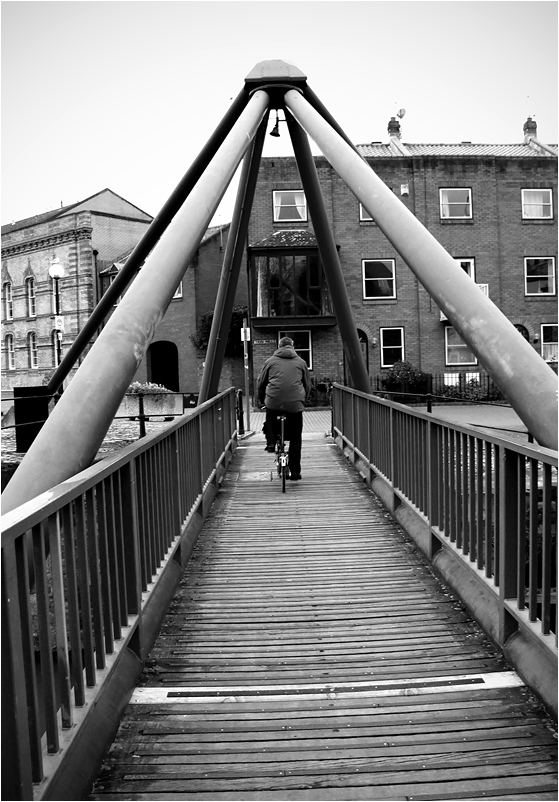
(32, 350)
(56, 343)
(8, 302)
(30, 294)
(10, 352)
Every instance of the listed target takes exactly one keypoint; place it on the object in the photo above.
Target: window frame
(32, 351)
(364, 216)
(471, 272)
(551, 260)
(178, 292)
(290, 333)
(30, 297)
(544, 326)
(8, 298)
(447, 204)
(366, 297)
(382, 330)
(525, 205)
(278, 206)
(9, 343)
(463, 344)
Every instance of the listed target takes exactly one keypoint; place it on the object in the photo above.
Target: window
(537, 204)
(549, 342)
(301, 342)
(456, 204)
(32, 350)
(457, 352)
(391, 347)
(178, 291)
(30, 295)
(291, 285)
(467, 265)
(10, 352)
(539, 275)
(379, 278)
(290, 206)
(364, 215)
(8, 301)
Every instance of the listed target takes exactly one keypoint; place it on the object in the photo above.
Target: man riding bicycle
(283, 387)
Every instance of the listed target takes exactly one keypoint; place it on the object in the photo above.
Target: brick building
(41, 313)
(492, 207)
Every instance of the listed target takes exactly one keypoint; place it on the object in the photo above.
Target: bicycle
(282, 456)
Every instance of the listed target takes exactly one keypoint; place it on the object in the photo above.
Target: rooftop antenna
(400, 113)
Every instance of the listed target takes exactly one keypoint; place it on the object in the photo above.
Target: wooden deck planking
(311, 642)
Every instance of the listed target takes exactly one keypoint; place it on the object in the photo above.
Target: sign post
(245, 337)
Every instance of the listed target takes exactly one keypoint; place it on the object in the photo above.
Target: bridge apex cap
(275, 70)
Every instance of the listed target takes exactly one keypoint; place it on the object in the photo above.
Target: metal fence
(493, 500)
(80, 565)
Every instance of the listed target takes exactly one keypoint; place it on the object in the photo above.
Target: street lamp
(56, 272)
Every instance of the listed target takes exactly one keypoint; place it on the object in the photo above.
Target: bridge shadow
(311, 652)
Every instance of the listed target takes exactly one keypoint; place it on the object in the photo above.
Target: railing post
(240, 411)
(507, 534)
(433, 480)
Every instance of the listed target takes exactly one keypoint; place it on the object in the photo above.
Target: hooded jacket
(284, 382)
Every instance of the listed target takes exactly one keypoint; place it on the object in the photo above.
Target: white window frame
(8, 300)
(178, 291)
(446, 205)
(383, 362)
(32, 351)
(278, 206)
(30, 297)
(551, 275)
(468, 265)
(392, 264)
(528, 206)
(461, 344)
(549, 350)
(364, 216)
(291, 334)
(10, 352)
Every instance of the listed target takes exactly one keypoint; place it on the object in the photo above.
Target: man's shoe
(270, 449)
(295, 476)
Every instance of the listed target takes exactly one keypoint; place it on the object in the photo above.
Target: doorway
(163, 364)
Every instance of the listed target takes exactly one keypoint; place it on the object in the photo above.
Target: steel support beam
(525, 380)
(147, 242)
(231, 269)
(329, 257)
(70, 438)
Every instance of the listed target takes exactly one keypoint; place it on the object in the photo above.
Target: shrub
(147, 388)
(234, 345)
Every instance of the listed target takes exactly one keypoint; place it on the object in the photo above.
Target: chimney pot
(530, 129)
(394, 128)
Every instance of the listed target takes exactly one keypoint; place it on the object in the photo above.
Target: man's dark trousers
(293, 432)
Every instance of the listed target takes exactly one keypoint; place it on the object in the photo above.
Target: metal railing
(493, 501)
(80, 564)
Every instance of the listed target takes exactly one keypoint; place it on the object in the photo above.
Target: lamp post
(56, 272)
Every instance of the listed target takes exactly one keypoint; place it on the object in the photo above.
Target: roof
(380, 150)
(64, 210)
(120, 261)
(288, 238)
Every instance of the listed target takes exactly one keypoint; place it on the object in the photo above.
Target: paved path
(312, 654)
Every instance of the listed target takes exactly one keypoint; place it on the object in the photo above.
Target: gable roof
(380, 150)
(105, 201)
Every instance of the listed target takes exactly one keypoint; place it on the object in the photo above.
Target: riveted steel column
(329, 257)
(73, 433)
(231, 268)
(144, 246)
(523, 377)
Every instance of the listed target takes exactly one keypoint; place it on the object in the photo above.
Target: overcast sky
(125, 94)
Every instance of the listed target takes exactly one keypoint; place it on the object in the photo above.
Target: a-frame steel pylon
(73, 433)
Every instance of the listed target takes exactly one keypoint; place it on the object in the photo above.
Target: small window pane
(457, 352)
(537, 204)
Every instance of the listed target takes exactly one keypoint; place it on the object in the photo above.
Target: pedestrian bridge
(383, 630)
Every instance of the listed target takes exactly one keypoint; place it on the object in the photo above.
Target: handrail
(490, 500)
(112, 532)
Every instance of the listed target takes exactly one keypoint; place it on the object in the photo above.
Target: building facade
(492, 207)
(51, 267)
